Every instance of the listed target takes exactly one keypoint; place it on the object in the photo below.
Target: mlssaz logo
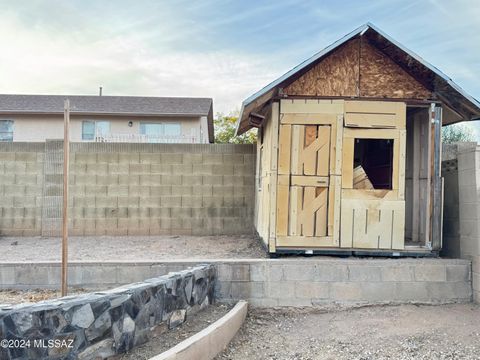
(54, 343)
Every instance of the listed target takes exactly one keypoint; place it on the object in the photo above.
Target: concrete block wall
(150, 189)
(279, 282)
(463, 234)
(451, 211)
(21, 188)
(314, 282)
(129, 189)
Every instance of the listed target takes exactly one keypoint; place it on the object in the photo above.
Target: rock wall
(103, 324)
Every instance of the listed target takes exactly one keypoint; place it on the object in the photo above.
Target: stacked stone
(103, 324)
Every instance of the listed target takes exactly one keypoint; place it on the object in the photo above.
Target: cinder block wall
(21, 188)
(129, 189)
(463, 235)
(277, 282)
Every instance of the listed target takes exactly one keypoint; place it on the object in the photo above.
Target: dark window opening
(373, 164)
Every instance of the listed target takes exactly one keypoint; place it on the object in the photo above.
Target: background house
(33, 118)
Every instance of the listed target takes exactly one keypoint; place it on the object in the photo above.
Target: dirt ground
(380, 332)
(14, 297)
(169, 339)
(133, 248)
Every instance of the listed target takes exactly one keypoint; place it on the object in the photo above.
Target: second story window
(95, 129)
(6, 130)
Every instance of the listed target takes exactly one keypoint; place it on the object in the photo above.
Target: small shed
(349, 150)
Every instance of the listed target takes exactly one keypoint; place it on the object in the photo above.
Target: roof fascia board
(305, 63)
(437, 71)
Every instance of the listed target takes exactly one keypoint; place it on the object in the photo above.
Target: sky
(224, 49)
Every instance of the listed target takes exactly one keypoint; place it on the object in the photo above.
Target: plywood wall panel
(381, 77)
(358, 69)
(336, 75)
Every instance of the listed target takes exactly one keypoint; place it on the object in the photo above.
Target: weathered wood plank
(312, 106)
(375, 194)
(401, 167)
(282, 209)
(323, 153)
(396, 166)
(347, 163)
(309, 119)
(369, 120)
(305, 242)
(337, 147)
(321, 213)
(284, 149)
(307, 215)
(372, 224)
(296, 145)
(371, 107)
(273, 165)
(296, 201)
(336, 188)
(370, 133)
(309, 180)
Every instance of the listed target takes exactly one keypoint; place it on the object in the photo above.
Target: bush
(225, 126)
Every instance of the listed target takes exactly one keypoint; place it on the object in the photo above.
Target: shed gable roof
(430, 77)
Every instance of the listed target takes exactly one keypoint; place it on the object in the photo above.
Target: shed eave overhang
(448, 91)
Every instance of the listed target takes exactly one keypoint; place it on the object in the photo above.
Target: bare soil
(379, 332)
(168, 339)
(14, 297)
(131, 248)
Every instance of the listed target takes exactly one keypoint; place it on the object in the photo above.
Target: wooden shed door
(306, 189)
(373, 178)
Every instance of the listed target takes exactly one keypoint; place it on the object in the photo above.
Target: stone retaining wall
(128, 189)
(100, 325)
(280, 282)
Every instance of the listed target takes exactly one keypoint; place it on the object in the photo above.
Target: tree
(225, 126)
(458, 133)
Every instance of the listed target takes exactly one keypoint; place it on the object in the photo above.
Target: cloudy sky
(225, 49)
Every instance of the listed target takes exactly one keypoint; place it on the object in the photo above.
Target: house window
(373, 164)
(157, 132)
(6, 130)
(172, 130)
(92, 129)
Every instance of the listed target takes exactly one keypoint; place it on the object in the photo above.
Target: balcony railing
(138, 138)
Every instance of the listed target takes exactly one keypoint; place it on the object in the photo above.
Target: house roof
(114, 105)
(445, 88)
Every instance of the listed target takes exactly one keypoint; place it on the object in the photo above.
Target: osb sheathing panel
(381, 77)
(336, 75)
(358, 69)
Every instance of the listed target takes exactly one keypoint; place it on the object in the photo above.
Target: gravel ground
(168, 339)
(31, 296)
(388, 332)
(131, 248)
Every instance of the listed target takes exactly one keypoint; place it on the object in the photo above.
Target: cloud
(39, 61)
(222, 49)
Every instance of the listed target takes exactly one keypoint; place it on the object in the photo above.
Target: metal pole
(66, 156)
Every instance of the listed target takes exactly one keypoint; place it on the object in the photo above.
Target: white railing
(138, 138)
